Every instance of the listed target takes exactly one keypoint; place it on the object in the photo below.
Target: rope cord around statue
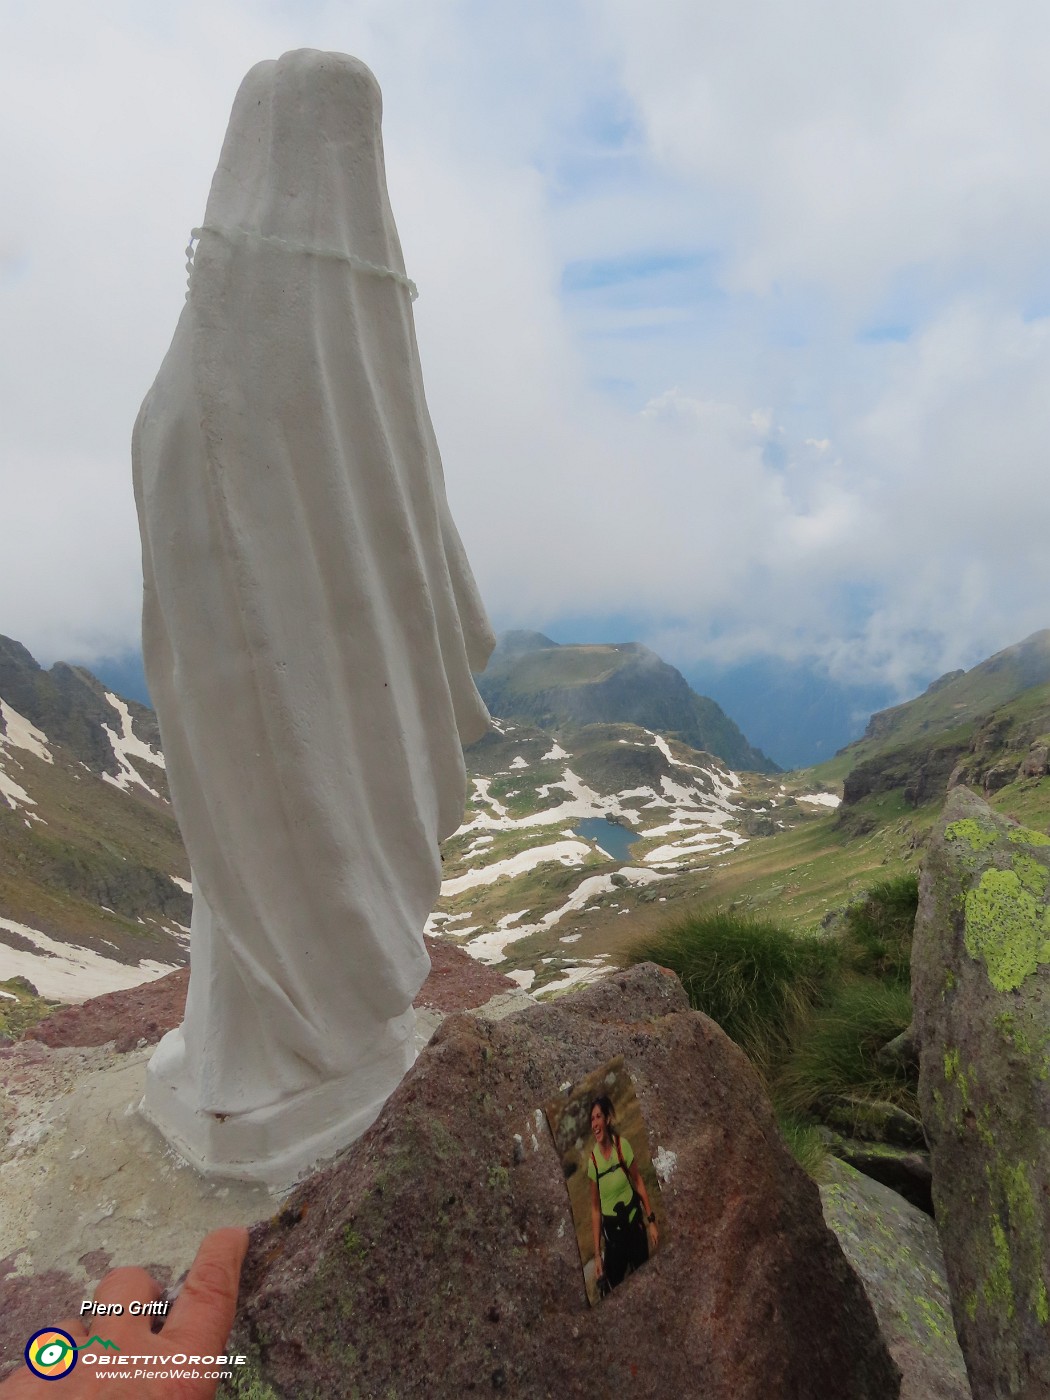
(294, 246)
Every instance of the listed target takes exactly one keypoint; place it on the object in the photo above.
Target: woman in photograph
(621, 1215)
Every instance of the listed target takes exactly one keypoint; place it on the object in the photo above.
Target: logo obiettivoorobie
(52, 1353)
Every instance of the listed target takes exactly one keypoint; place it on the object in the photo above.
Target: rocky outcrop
(1036, 762)
(904, 1170)
(438, 1256)
(69, 704)
(130, 1018)
(981, 991)
(921, 771)
(897, 1254)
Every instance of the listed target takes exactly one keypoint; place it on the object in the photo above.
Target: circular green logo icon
(51, 1353)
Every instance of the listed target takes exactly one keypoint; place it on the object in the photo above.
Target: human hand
(197, 1326)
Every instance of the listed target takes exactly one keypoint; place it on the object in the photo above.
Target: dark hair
(605, 1103)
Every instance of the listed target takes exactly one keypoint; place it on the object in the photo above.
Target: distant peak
(514, 643)
(942, 681)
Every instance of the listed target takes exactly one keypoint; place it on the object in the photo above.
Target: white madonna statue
(310, 627)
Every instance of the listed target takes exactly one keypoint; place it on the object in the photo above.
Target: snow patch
(20, 734)
(554, 752)
(490, 947)
(14, 795)
(822, 799)
(481, 794)
(564, 852)
(69, 973)
(524, 979)
(591, 971)
(127, 745)
(518, 762)
(182, 884)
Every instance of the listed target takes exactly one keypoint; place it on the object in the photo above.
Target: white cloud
(856, 140)
(819, 426)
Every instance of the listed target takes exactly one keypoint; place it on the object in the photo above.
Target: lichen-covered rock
(981, 990)
(896, 1251)
(438, 1257)
(903, 1169)
(873, 1120)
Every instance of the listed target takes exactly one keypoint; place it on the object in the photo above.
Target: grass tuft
(804, 1142)
(877, 930)
(756, 980)
(837, 1054)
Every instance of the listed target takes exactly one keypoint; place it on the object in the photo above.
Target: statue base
(277, 1144)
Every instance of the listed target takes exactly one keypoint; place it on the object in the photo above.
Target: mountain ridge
(551, 684)
(958, 697)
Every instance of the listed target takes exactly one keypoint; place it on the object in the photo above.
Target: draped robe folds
(310, 622)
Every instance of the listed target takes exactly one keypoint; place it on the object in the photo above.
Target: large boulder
(896, 1251)
(981, 991)
(438, 1257)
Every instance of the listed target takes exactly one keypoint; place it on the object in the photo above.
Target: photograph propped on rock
(614, 1194)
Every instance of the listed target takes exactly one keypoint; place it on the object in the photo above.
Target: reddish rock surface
(44, 1300)
(143, 1014)
(458, 982)
(438, 1256)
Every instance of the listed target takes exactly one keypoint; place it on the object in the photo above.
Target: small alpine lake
(615, 839)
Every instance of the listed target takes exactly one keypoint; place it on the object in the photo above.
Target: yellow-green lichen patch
(951, 1064)
(985, 1130)
(1042, 1304)
(1018, 1191)
(1003, 927)
(1032, 874)
(975, 834)
(997, 1288)
(1025, 836)
(936, 1318)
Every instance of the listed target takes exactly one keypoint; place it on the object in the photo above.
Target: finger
(205, 1308)
(127, 1286)
(72, 1325)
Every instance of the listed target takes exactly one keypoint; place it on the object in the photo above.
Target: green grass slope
(93, 865)
(958, 699)
(892, 797)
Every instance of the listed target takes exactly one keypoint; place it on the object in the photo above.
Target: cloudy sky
(734, 317)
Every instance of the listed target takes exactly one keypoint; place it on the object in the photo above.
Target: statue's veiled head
(303, 157)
